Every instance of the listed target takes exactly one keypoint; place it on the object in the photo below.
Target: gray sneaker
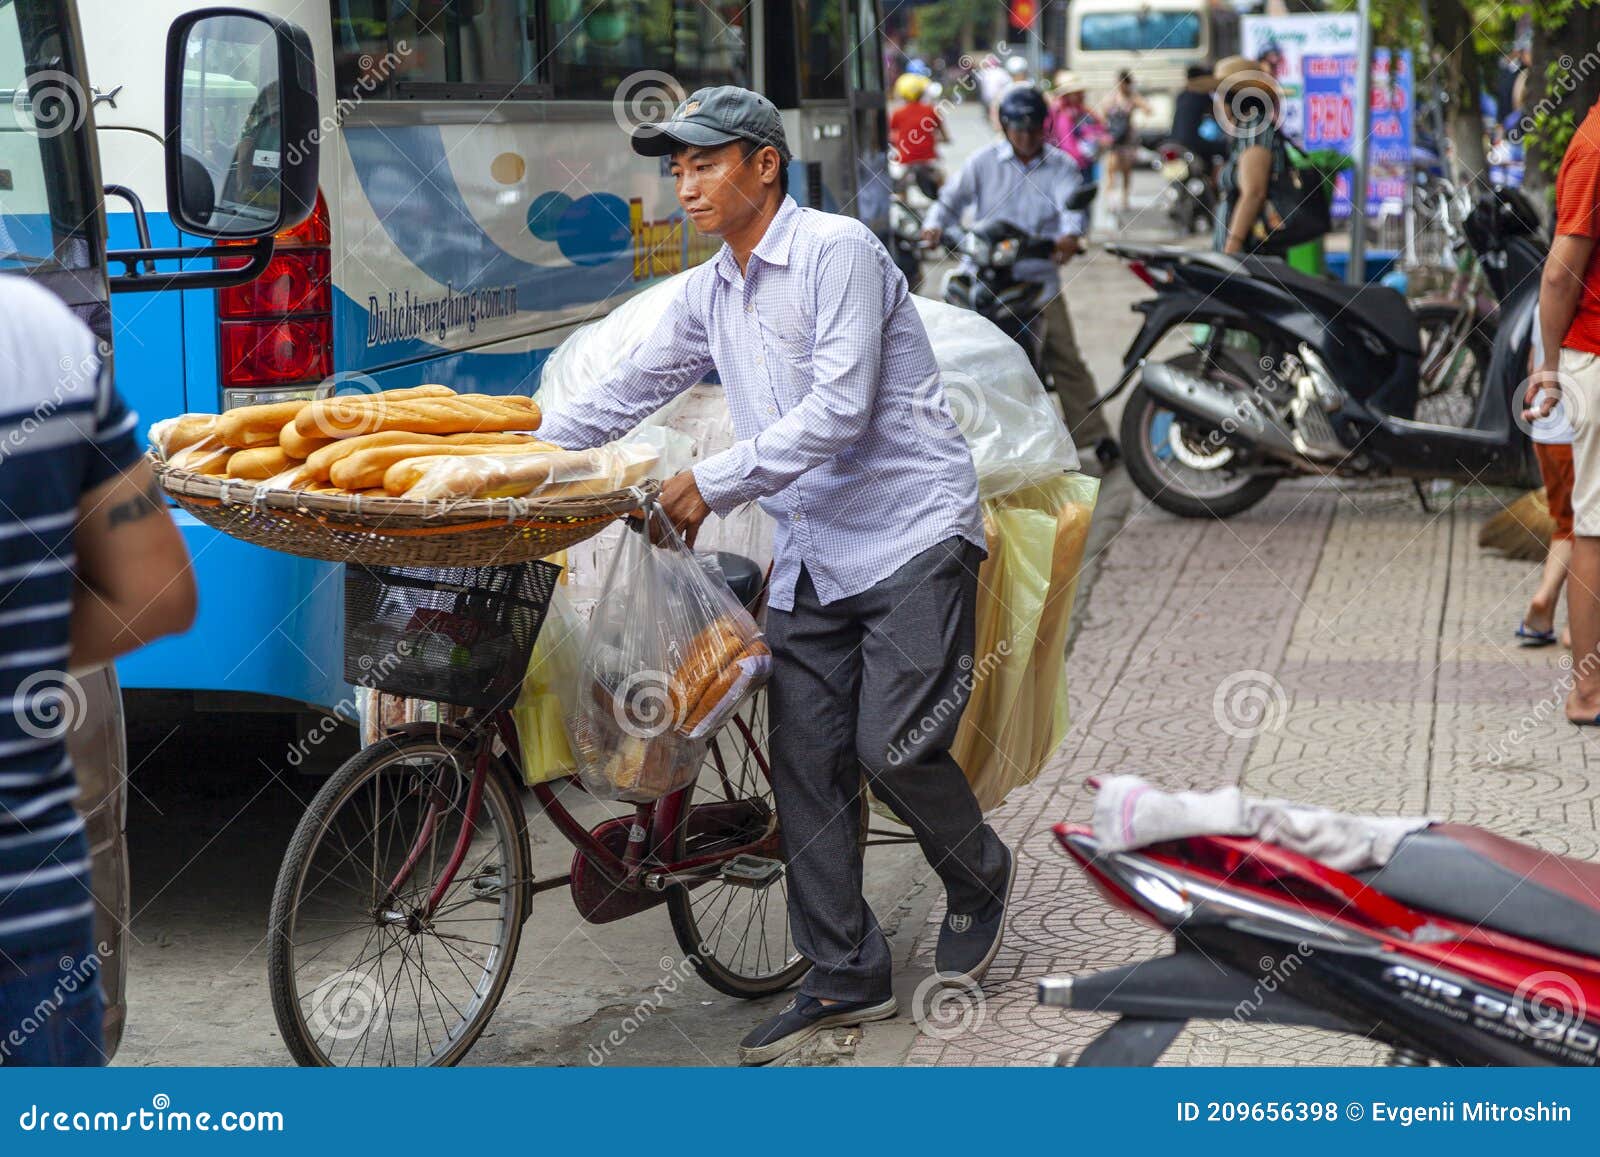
(968, 942)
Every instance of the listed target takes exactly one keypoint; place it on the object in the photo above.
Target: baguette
(261, 463)
(722, 684)
(366, 469)
(182, 432)
(351, 415)
(321, 461)
(449, 479)
(713, 649)
(251, 426)
(207, 456)
(377, 413)
(551, 474)
(297, 445)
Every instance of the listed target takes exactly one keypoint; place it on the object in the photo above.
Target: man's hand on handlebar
(931, 238)
(1068, 247)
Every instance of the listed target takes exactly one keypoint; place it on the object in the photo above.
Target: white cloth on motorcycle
(1130, 812)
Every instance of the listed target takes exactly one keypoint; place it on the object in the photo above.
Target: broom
(1522, 530)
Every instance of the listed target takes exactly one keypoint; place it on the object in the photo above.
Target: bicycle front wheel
(360, 973)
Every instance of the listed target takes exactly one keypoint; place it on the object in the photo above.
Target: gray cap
(712, 117)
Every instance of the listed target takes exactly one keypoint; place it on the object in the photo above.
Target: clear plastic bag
(544, 474)
(670, 654)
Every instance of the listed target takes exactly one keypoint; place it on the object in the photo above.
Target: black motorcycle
(1289, 374)
(990, 287)
(1190, 198)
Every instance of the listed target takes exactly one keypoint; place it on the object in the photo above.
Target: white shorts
(1580, 373)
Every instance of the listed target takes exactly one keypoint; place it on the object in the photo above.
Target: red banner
(1024, 13)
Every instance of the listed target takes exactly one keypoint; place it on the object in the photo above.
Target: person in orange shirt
(1569, 325)
(915, 131)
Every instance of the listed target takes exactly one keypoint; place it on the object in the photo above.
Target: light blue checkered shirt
(844, 434)
(995, 186)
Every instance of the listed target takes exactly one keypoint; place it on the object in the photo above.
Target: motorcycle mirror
(1082, 197)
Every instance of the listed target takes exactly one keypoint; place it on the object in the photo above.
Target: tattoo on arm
(140, 506)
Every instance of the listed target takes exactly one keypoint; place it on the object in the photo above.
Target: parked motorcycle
(1466, 948)
(1190, 198)
(990, 286)
(1298, 375)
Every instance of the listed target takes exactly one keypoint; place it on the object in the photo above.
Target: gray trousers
(1068, 374)
(873, 686)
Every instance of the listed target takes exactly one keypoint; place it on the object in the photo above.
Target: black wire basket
(456, 635)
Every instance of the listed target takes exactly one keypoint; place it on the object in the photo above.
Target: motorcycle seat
(1475, 876)
(1381, 309)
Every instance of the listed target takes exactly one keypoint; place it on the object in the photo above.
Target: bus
(477, 202)
(1157, 40)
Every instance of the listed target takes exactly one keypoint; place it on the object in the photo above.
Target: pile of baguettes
(427, 442)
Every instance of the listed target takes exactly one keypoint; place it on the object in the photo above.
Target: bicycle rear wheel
(359, 976)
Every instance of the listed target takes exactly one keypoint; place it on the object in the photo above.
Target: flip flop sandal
(1529, 638)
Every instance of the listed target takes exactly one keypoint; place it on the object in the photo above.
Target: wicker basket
(395, 531)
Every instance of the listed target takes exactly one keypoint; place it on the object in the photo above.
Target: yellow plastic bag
(1017, 715)
(541, 731)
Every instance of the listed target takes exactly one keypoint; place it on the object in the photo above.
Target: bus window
(599, 44)
(820, 24)
(410, 48)
(866, 54)
(1139, 31)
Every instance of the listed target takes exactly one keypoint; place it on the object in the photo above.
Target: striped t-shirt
(63, 431)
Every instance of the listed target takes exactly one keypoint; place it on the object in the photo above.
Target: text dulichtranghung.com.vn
(159, 1117)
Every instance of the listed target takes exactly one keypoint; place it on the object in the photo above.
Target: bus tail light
(277, 331)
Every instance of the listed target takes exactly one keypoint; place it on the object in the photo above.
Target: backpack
(1299, 204)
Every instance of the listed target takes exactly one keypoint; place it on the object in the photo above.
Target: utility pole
(1356, 272)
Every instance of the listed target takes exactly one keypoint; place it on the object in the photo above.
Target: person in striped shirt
(91, 567)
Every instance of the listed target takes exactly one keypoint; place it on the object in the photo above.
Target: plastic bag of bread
(542, 474)
(670, 654)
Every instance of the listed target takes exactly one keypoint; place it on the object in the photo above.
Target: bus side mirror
(241, 124)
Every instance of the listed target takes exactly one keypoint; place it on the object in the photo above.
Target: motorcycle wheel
(1453, 367)
(1170, 465)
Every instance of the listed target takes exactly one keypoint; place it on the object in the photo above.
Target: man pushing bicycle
(828, 374)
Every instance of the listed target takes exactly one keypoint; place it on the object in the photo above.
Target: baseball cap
(712, 117)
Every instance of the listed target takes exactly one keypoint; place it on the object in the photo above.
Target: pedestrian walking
(91, 567)
(1569, 327)
(1026, 181)
(1119, 112)
(845, 441)
(1250, 118)
(1552, 438)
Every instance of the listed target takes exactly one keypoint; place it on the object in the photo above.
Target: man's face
(1027, 139)
(720, 188)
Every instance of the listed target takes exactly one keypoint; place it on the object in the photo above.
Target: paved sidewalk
(1376, 639)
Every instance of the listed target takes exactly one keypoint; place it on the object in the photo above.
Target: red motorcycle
(1464, 949)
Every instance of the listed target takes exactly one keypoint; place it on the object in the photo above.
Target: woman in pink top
(1071, 127)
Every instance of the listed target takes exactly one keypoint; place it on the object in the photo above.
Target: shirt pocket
(792, 375)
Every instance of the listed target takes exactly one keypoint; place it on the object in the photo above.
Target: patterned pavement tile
(1337, 645)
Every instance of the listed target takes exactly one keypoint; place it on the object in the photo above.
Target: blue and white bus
(477, 202)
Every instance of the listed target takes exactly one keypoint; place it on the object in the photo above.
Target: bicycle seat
(1472, 875)
(744, 577)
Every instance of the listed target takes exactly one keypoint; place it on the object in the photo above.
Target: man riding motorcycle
(1027, 182)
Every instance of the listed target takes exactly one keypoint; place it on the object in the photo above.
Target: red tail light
(277, 330)
(1153, 276)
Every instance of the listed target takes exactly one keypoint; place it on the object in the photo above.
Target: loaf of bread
(707, 656)
(322, 461)
(251, 426)
(174, 434)
(207, 456)
(366, 469)
(260, 463)
(297, 445)
(723, 684)
(351, 415)
(553, 474)
(377, 413)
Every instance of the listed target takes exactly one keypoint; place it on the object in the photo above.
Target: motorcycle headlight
(1005, 253)
(977, 248)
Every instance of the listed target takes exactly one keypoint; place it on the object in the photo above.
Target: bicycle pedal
(747, 871)
(487, 886)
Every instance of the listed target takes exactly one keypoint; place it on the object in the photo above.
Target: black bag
(1298, 208)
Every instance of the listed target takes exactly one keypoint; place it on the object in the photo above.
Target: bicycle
(349, 960)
